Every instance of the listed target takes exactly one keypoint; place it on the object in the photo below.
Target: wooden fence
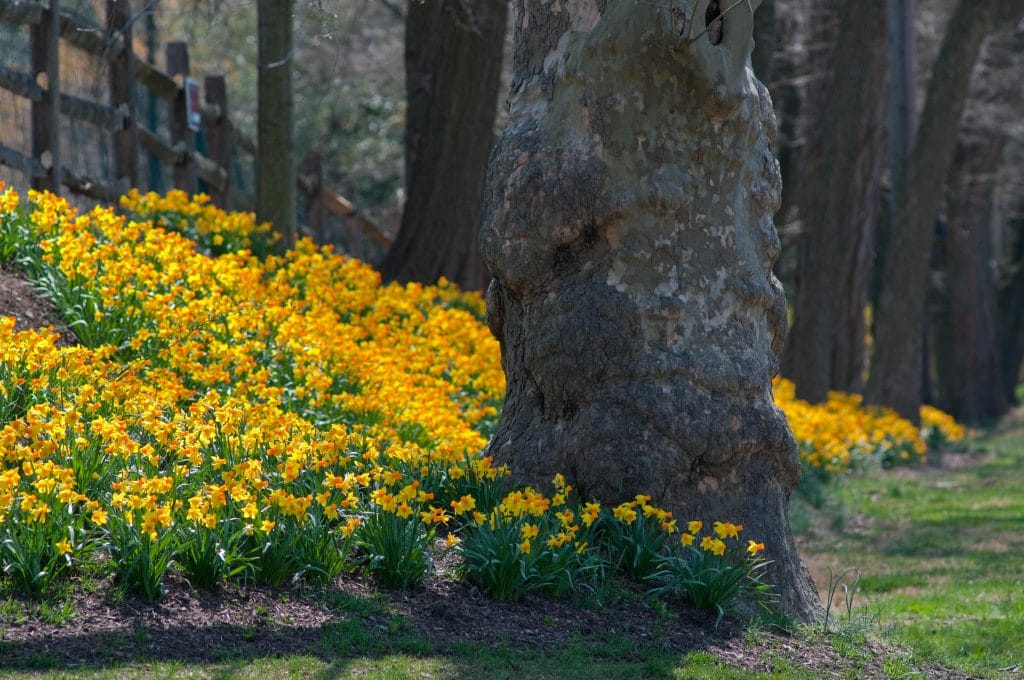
(112, 43)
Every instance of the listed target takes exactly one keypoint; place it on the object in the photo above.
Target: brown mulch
(236, 622)
(28, 307)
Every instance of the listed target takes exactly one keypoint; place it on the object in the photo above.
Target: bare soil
(30, 309)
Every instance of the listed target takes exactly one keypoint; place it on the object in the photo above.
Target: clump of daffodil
(531, 541)
(713, 571)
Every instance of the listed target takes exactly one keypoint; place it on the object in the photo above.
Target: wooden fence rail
(47, 24)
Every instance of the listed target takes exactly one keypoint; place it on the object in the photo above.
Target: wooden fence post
(218, 134)
(184, 169)
(155, 170)
(44, 39)
(122, 96)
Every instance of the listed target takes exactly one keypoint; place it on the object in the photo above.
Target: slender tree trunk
(974, 364)
(897, 362)
(275, 164)
(453, 55)
(839, 179)
(628, 225)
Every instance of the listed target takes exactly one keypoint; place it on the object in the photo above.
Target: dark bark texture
(839, 180)
(629, 229)
(453, 55)
(897, 362)
(275, 165)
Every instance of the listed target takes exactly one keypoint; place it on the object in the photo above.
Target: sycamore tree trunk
(897, 366)
(839, 179)
(275, 164)
(453, 55)
(628, 226)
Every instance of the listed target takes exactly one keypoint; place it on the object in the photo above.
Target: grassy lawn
(356, 649)
(583, 661)
(940, 551)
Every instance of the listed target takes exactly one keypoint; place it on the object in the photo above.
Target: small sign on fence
(192, 105)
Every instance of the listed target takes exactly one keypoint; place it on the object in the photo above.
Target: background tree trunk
(629, 228)
(969, 332)
(275, 165)
(766, 42)
(453, 55)
(1011, 316)
(972, 369)
(839, 179)
(897, 362)
(902, 109)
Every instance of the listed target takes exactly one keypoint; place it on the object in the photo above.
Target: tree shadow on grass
(349, 625)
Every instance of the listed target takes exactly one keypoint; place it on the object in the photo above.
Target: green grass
(940, 553)
(582, 661)
(349, 650)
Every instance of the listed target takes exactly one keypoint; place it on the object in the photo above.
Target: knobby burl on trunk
(629, 231)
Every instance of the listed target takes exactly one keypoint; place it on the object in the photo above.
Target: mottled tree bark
(629, 229)
(839, 180)
(275, 164)
(897, 362)
(453, 55)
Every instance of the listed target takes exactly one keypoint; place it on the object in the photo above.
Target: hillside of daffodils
(228, 414)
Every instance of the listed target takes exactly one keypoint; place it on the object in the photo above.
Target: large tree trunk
(275, 164)
(839, 179)
(629, 228)
(897, 362)
(453, 54)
